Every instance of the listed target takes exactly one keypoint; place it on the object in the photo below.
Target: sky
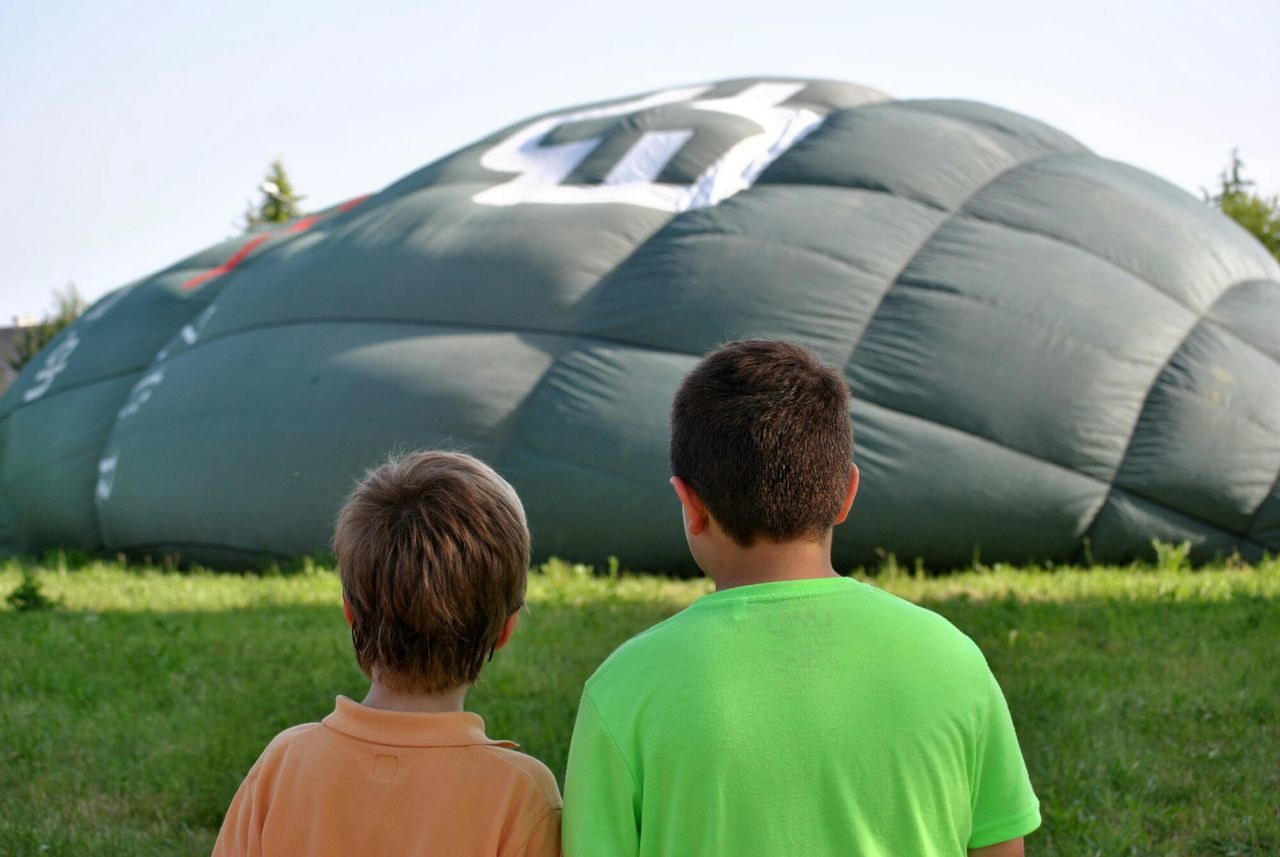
(134, 133)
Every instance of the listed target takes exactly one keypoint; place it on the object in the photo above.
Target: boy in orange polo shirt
(433, 551)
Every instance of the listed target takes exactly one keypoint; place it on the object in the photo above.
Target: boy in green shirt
(792, 711)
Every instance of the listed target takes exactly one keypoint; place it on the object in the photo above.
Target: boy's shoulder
(293, 738)
(294, 734)
(275, 756)
(525, 767)
(936, 629)
(641, 646)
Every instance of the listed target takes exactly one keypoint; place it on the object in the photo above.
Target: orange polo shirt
(367, 781)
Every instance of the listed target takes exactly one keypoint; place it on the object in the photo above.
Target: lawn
(1146, 699)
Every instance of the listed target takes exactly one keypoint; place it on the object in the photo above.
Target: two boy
(792, 711)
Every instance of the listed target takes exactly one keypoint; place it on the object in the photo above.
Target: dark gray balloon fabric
(1053, 356)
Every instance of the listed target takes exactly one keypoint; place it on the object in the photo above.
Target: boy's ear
(696, 515)
(346, 611)
(508, 628)
(849, 495)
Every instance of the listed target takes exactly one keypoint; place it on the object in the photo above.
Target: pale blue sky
(133, 132)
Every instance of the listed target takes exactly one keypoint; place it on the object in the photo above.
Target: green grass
(1146, 700)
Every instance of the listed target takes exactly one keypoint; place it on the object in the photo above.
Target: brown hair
(761, 431)
(433, 551)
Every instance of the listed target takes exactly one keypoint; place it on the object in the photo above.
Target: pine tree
(1259, 214)
(279, 203)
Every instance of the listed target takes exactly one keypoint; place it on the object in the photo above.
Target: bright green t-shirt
(811, 718)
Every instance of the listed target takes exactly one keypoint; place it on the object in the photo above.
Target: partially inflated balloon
(1053, 356)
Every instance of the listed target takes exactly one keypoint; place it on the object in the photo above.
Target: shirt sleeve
(241, 833)
(543, 839)
(601, 796)
(1004, 804)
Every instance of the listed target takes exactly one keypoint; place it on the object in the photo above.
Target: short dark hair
(433, 551)
(760, 430)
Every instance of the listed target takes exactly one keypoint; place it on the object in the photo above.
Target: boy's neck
(770, 562)
(382, 697)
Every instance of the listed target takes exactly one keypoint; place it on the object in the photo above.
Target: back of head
(433, 551)
(760, 430)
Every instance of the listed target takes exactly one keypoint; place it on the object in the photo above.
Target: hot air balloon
(1053, 356)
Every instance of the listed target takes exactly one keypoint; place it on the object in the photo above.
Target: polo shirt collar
(409, 728)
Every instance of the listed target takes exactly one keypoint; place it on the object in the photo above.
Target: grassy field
(1147, 700)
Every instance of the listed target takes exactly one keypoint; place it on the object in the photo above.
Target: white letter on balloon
(542, 169)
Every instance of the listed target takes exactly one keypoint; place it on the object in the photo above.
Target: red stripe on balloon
(201, 279)
(301, 226)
